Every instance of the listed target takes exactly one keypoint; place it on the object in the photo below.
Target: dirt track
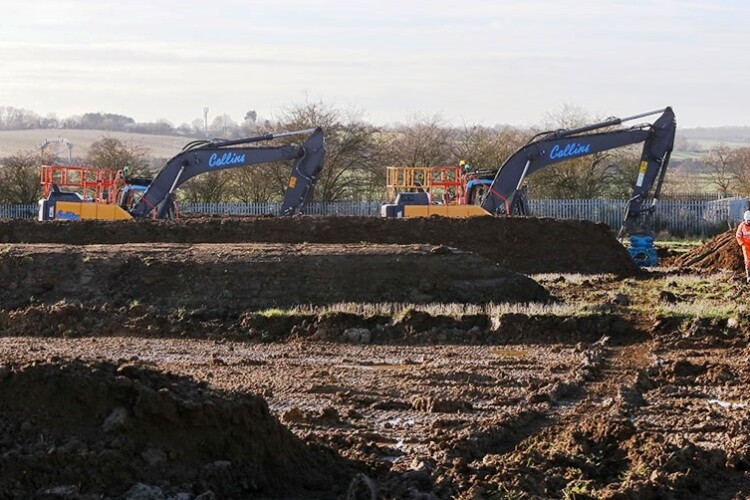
(525, 245)
(624, 417)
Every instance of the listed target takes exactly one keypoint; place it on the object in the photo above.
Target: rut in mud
(98, 428)
(525, 245)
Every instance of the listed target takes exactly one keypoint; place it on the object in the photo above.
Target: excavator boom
(555, 147)
(208, 156)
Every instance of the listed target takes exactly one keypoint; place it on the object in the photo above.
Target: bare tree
(254, 185)
(114, 154)
(484, 147)
(424, 142)
(740, 170)
(223, 126)
(718, 161)
(352, 150)
(210, 187)
(20, 178)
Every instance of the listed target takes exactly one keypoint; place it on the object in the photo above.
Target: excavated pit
(253, 276)
(87, 428)
(525, 245)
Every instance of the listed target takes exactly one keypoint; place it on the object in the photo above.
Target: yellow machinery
(93, 194)
(427, 191)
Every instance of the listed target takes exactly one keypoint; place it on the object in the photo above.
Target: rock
(293, 415)
(630, 397)
(63, 491)
(26, 426)
(437, 405)
(144, 492)
(621, 299)
(72, 446)
(116, 420)
(182, 496)
(362, 487)
(643, 382)
(154, 456)
(731, 323)
(358, 335)
(442, 250)
(218, 465)
(669, 297)
(330, 415)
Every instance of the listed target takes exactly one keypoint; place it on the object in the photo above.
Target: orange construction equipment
(444, 184)
(94, 185)
(81, 193)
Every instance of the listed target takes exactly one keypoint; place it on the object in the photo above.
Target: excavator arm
(207, 156)
(555, 147)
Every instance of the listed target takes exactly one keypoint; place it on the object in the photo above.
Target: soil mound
(526, 245)
(254, 276)
(719, 253)
(74, 429)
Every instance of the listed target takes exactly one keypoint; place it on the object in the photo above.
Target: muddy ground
(526, 245)
(614, 388)
(719, 253)
(245, 276)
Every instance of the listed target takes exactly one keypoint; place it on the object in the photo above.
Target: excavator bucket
(304, 174)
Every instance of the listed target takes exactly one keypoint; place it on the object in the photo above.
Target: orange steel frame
(446, 179)
(97, 185)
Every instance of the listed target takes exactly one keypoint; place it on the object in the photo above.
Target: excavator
(505, 193)
(110, 195)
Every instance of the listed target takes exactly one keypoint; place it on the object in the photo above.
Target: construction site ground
(605, 385)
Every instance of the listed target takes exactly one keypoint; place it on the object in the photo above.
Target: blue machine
(642, 250)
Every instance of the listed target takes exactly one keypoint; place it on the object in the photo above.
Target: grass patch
(277, 313)
(455, 310)
(701, 309)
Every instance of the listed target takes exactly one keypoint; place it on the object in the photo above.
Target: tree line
(12, 118)
(359, 152)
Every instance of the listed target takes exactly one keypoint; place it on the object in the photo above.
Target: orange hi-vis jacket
(743, 238)
(743, 234)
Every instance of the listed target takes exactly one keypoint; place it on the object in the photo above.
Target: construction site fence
(673, 217)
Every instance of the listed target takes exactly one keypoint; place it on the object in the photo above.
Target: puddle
(728, 404)
(389, 366)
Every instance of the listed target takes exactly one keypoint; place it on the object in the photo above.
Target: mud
(619, 388)
(88, 428)
(720, 253)
(409, 327)
(525, 245)
(253, 276)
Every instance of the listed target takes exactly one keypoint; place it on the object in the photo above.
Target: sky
(470, 61)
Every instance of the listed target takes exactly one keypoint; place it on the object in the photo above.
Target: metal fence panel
(697, 217)
(19, 211)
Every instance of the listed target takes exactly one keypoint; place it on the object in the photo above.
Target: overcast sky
(485, 61)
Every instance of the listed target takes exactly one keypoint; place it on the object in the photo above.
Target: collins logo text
(226, 159)
(572, 149)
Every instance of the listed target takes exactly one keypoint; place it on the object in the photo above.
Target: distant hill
(720, 134)
(158, 146)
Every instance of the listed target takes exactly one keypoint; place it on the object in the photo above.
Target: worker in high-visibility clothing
(743, 238)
